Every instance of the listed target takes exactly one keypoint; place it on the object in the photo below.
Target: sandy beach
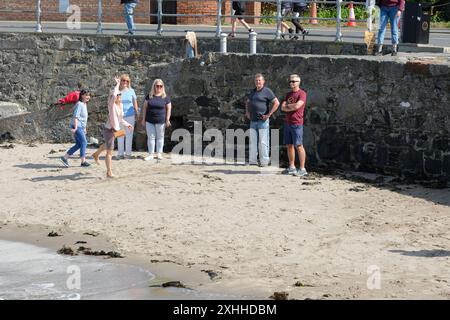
(316, 237)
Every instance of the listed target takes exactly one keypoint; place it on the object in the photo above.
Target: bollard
(38, 16)
(223, 43)
(252, 37)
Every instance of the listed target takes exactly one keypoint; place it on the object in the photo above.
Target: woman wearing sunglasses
(130, 110)
(156, 117)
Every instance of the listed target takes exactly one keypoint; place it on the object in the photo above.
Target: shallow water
(32, 272)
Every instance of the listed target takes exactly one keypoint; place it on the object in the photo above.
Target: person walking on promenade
(78, 127)
(299, 6)
(294, 106)
(260, 104)
(286, 10)
(130, 112)
(128, 8)
(239, 10)
(389, 10)
(112, 127)
(156, 113)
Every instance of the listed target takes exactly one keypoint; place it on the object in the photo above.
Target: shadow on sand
(423, 253)
(73, 177)
(38, 166)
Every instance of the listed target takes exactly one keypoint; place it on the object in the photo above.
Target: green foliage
(437, 17)
(440, 14)
(330, 11)
(268, 9)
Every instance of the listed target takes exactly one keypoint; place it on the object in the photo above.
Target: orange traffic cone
(351, 17)
(313, 13)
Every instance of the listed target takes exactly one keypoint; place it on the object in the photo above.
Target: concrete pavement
(438, 37)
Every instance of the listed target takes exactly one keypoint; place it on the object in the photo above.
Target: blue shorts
(293, 134)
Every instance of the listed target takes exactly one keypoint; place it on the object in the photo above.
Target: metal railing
(369, 4)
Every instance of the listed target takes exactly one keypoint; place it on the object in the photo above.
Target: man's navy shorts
(293, 134)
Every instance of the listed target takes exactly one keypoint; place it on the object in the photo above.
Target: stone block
(8, 109)
(433, 163)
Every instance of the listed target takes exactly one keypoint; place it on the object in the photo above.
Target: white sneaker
(159, 156)
(148, 158)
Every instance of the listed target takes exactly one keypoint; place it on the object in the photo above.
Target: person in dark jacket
(392, 10)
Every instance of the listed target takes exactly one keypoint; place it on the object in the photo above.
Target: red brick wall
(197, 7)
(251, 9)
(24, 10)
(112, 10)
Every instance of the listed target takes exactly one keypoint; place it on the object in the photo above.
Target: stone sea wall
(389, 115)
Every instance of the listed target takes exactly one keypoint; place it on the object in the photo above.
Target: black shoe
(85, 164)
(394, 50)
(379, 51)
(305, 32)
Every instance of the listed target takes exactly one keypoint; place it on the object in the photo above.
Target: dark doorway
(167, 7)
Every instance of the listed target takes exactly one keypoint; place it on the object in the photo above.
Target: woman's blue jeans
(80, 143)
(388, 13)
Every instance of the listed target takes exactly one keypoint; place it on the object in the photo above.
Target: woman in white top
(112, 125)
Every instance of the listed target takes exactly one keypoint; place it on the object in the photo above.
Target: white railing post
(159, 30)
(252, 37)
(38, 16)
(99, 17)
(370, 4)
(223, 43)
(278, 33)
(219, 18)
(338, 21)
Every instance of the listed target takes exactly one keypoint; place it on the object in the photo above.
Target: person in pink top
(112, 126)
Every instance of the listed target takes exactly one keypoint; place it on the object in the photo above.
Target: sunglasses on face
(158, 85)
(293, 81)
(125, 80)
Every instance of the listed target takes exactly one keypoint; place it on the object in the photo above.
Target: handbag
(120, 133)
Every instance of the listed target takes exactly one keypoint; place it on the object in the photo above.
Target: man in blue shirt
(260, 105)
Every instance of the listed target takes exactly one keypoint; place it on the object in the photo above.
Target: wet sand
(31, 268)
(319, 237)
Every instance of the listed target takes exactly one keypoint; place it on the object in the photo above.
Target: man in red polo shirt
(294, 106)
